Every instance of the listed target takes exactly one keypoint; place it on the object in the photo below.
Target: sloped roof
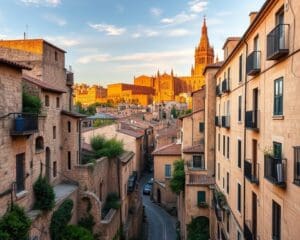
(136, 134)
(73, 114)
(14, 64)
(201, 179)
(43, 85)
(194, 149)
(168, 150)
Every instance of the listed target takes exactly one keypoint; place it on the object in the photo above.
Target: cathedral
(169, 87)
(161, 87)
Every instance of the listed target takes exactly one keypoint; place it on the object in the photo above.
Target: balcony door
(20, 172)
(254, 215)
(255, 106)
(279, 23)
(254, 157)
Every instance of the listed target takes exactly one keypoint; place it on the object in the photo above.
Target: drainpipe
(245, 104)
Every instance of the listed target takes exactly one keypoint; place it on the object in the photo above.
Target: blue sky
(111, 41)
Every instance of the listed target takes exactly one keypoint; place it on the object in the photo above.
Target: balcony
(278, 42)
(275, 170)
(24, 124)
(251, 172)
(218, 91)
(251, 120)
(225, 86)
(70, 78)
(253, 63)
(226, 121)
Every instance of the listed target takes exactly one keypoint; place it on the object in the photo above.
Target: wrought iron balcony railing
(275, 170)
(252, 120)
(253, 63)
(278, 42)
(226, 121)
(24, 124)
(251, 171)
(225, 86)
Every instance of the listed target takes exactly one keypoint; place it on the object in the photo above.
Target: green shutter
(201, 197)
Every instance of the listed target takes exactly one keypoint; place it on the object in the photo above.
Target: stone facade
(257, 153)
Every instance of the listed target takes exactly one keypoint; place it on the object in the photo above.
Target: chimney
(252, 16)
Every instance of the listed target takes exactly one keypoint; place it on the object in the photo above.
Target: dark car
(147, 189)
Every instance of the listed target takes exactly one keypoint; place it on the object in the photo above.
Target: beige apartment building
(257, 128)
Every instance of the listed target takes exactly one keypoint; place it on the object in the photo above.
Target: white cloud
(63, 41)
(178, 32)
(55, 19)
(198, 6)
(151, 33)
(93, 58)
(3, 36)
(179, 18)
(137, 57)
(155, 11)
(51, 3)
(136, 35)
(110, 30)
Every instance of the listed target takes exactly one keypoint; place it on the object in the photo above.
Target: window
(54, 169)
(55, 56)
(20, 172)
(239, 192)
(277, 150)
(167, 170)
(39, 144)
(54, 132)
(276, 221)
(219, 139)
(228, 222)
(57, 102)
(280, 16)
(201, 127)
(239, 153)
(228, 147)
(255, 43)
(224, 138)
(69, 161)
(201, 198)
(219, 171)
(278, 96)
(241, 68)
(47, 102)
(240, 109)
(198, 161)
(297, 165)
(227, 188)
(69, 126)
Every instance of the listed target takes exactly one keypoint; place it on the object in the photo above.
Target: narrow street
(161, 225)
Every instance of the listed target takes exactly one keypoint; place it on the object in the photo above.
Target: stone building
(87, 95)
(163, 160)
(257, 128)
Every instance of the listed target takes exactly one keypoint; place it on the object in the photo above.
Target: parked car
(147, 189)
(150, 181)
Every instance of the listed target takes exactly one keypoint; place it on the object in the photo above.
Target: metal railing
(225, 86)
(278, 42)
(24, 123)
(275, 170)
(226, 121)
(251, 172)
(218, 90)
(252, 119)
(253, 63)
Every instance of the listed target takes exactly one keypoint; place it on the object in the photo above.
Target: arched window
(39, 143)
(47, 101)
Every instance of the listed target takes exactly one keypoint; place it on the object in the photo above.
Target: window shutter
(201, 197)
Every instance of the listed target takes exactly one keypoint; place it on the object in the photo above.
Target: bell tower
(204, 53)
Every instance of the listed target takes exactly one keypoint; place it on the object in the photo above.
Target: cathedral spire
(204, 42)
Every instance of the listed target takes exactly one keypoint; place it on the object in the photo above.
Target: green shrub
(14, 224)
(87, 222)
(97, 142)
(31, 103)
(112, 202)
(198, 229)
(60, 219)
(112, 148)
(44, 194)
(73, 232)
(177, 182)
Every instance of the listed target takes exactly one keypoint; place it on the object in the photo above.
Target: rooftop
(14, 64)
(73, 114)
(43, 85)
(136, 134)
(194, 149)
(168, 150)
(200, 179)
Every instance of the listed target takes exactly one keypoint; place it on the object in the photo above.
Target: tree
(31, 103)
(198, 229)
(177, 182)
(174, 112)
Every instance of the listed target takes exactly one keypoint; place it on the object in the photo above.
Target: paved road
(161, 225)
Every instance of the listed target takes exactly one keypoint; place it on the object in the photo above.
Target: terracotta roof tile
(14, 64)
(43, 85)
(201, 179)
(169, 150)
(136, 134)
(194, 149)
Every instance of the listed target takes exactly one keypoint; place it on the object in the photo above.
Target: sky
(111, 41)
